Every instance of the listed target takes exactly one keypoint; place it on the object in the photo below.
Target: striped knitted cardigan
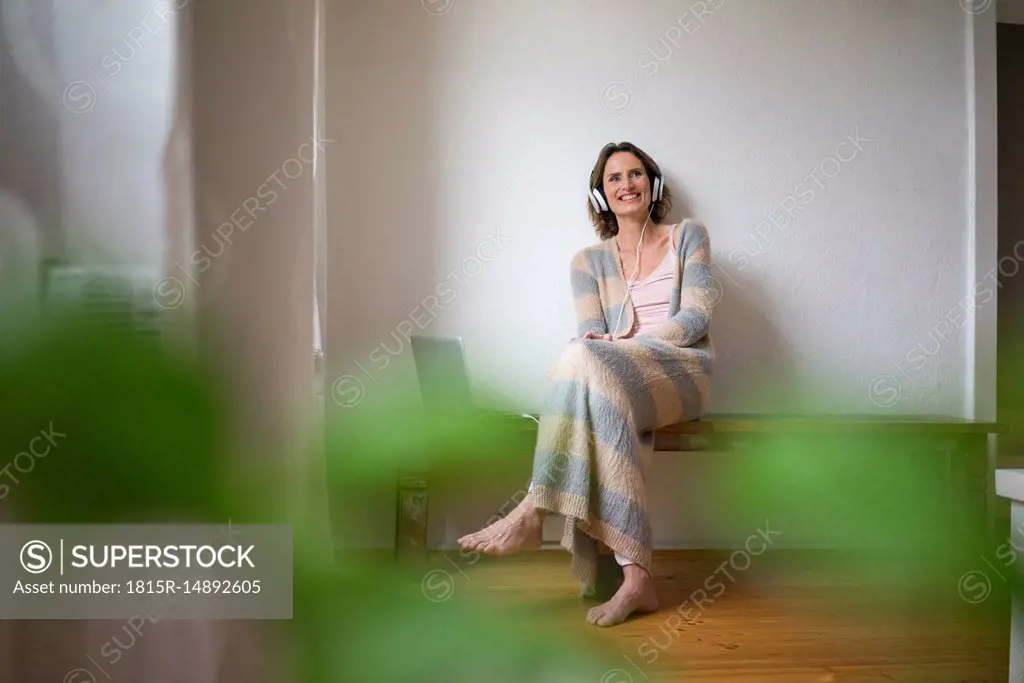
(607, 397)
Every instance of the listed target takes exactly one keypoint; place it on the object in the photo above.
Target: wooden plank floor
(794, 617)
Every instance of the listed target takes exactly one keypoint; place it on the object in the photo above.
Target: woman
(641, 361)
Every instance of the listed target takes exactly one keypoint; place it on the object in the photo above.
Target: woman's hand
(591, 335)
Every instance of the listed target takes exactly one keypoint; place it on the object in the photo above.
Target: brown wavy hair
(606, 225)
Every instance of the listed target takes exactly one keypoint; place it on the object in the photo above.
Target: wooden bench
(963, 443)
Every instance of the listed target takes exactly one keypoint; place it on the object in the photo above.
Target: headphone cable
(639, 246)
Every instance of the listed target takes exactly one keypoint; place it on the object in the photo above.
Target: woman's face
(626, 185)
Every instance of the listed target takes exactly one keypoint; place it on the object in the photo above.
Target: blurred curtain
(243, 104)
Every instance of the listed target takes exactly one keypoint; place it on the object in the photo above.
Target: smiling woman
(611, 181)
(615, 385)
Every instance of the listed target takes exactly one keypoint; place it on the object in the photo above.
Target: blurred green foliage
(145, 437)
(141, 434)
(144, 429)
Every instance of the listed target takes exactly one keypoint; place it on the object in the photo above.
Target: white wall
(469, 118)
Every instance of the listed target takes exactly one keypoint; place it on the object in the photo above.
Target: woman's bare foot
(471, 541)
(523, 528)
(636, 595)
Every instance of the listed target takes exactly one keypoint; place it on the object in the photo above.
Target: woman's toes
(525, 532)
(601, 616)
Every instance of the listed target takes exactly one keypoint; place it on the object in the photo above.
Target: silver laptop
(442, 372)
(444, 377)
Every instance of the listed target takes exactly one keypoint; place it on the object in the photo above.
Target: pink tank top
(651, 296)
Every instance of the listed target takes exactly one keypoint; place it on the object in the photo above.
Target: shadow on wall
(751, 352)
(682, 203)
